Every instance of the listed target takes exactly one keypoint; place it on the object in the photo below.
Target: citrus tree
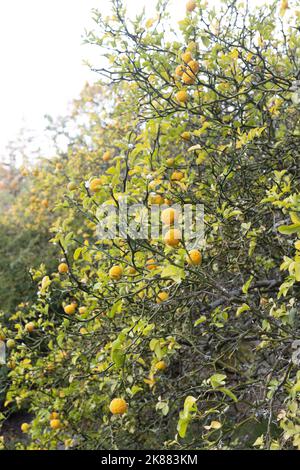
(171, 341)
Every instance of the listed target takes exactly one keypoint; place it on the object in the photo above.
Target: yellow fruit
(2, 336)
(188, 78)
(30, 327)
(63, 268)
(187, 57)
(116, 273)
(194, 66)
(177, 176)
(55, 423)
(106, 156)
(162, 297)
(118, 406)
(156, 199)
(172, 237)
(95, 185)
(160, 365)
(54, 415)
(82, 310)
(72, 186)
(59, 166)
(182, 96)
(151, 264)
(194, 257)
(10, 343)
(170, 162)
(179, 70)
(186, 135)
(25, 427)
(70, 309)
(168, 202)
(191, 5)
(45, 203)
(168, 216)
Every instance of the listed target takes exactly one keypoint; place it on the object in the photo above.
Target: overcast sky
(42, 57)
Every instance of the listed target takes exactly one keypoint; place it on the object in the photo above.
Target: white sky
(42, 55)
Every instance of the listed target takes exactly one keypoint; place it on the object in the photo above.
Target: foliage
(216, 364)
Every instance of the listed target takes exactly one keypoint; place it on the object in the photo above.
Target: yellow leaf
(297, 270)
(294, 218)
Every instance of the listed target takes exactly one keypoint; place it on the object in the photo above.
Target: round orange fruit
(116, 273)
(63, 268)
(191, 5)
(118, 406)
(172, 237)
(106, 156)
(194, 66)
(162, 297)
(95, 185)
(194, 257)
(187, 57)
(188, 78)
(55, 424)
(182, 96)
(177, 176)
(168, 216)
(160, 365)
(70, 309)
(25, 427)
(29, 327)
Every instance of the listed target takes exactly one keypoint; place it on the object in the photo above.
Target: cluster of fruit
(54, 422)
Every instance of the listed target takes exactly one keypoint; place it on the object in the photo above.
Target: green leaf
(205, 40)
(289, 229)
(297, 270)
(246, 286)
(116, 308)
(136, 389)
(174, 272)
(229, 393)
(118, 357)
(186, 415)
(200, 320)
(182, 426)
(60, 339)
(241, 309)
(189, 403)
(153, 343)
(217, 380)
(77, 253)
(117, 351)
